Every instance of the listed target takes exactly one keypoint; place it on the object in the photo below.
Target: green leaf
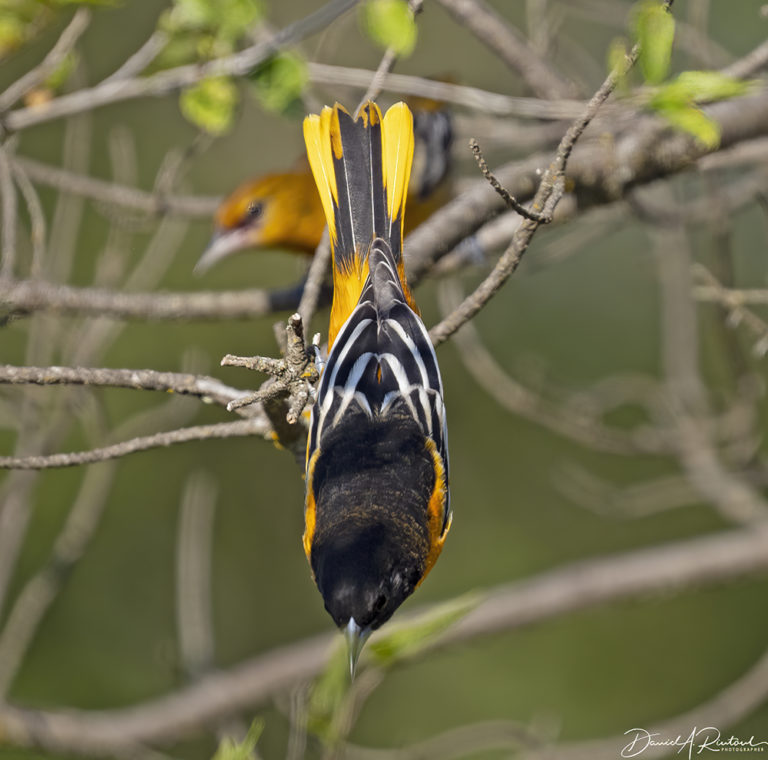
(698, 87)
(244, 750)
(12, 33)
(616, 58)
(331, 690)
(408, 639)
(655, 31)
(86, 2)
(58, 77)
(390, 24)
(229, 19)
(329, 693)
(279, 82)
(694, 121)
(236, 17)
(192, 14)
(210, 104)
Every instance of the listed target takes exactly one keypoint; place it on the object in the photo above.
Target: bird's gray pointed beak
(356, 638)
(223, 243)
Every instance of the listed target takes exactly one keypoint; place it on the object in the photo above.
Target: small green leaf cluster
(19, 21)
(390, 24)
(333, 693)
(279, 82)
(210, 104)
(677, 100)
(202, 30)
(22, 20)
(244, 750)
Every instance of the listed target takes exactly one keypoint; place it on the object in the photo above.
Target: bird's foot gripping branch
(290, 386)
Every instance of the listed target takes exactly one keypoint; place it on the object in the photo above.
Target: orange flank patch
(436, 511)
(347, 286)
(310, 508)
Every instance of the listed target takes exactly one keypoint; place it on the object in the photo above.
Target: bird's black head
(365, 572)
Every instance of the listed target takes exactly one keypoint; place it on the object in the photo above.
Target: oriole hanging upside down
(283, 210)
(376, 507)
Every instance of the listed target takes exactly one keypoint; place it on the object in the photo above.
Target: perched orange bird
(377, 508)
(283, 210)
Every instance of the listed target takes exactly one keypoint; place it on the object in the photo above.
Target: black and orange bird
(283, 209)
(377, 508)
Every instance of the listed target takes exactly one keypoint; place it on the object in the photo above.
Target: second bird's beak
(356, 638)
(222, 244)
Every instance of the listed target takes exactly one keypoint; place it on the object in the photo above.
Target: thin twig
(36, 217)
(599, 171)
(734, 301)
(64, 45)
(734, 703)
(547, 196)
(318, 270)
(193, 574)
(689, 563)
(288, 392)
(248, 427)
(731, 495)
(456, 743)
(510, 45)
(385, 66)
(446, 92)
(107, 193)
(750, 64)
(207, 388)
(9, 204)
(586, 429)
(38, 594)
(170, 80)
(136, 63)
(19, 297)
(509, 199)
(688, 38)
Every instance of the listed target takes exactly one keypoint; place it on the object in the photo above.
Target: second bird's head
(273, 211)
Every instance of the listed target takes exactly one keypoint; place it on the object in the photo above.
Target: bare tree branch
(194, 618)
(750, 64)
(507, 42)
(139, 61)
(169, 80)
(545, 200)
(9, 203)
(735, 702)
(690, 563)
(64, 45)
(151, 203)
(599, 171)
(460, 95)
(506, 196)
(207, 388)
(385, 66)
(517, 398)
(248, 427)
(19, 297)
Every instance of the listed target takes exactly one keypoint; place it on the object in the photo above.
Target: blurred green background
(109, 639)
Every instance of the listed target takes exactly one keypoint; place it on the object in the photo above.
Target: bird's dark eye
(254, 209)
(380, 603)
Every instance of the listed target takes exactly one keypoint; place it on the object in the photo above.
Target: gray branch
(685, 564)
